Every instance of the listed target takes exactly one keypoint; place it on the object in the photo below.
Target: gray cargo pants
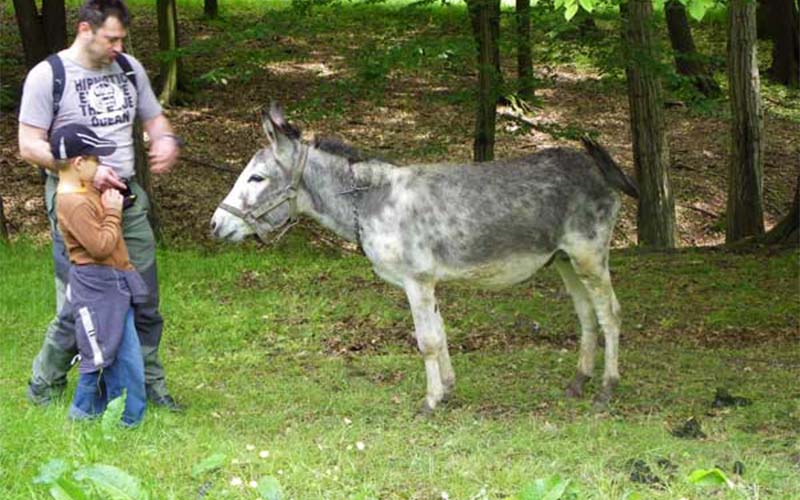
(53, 361)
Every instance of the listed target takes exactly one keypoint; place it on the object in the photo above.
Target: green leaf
(269, 488)
(557, 4)
(710, 477)
(112, 415)
(210, 463)
(552, 488)
(51, 471)
(67, 489)
(571, 11)
(588, 5)
(114, 483)
(697, 9)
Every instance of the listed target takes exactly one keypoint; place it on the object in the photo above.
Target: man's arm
(34, 147)
(164, 144)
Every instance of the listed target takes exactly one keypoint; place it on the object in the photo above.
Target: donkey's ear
(280, 133)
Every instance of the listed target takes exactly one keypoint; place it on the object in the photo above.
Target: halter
(254, 215)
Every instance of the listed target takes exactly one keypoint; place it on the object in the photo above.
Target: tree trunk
(524, 64)
(485, 17)
(785, 29)
(687, 61)
(210, 9)
(787, 231)
(763, 28)
(171, 67)
(54, 20)
(31, 31)
(3, 228)
(145, 178)
(745, 207)
(656, 216)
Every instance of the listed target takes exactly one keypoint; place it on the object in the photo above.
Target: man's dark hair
(95, 12)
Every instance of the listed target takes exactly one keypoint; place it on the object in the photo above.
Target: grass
(299, 351)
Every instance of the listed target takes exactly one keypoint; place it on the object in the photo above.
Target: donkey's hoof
(447, 395)
(575, 388)
(425, 409)
(603, 397)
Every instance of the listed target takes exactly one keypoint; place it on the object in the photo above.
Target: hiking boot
(42, 394)
(164, 401)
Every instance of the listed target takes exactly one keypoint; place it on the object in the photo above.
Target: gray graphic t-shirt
(102, 99)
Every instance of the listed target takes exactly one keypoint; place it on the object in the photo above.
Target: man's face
(105, 43)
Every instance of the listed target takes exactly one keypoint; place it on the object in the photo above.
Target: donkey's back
(495, 223)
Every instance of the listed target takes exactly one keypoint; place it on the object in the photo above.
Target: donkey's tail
(611, 171)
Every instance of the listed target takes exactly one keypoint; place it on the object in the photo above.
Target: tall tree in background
(524, 64)
(42, 33)
(784, 22)
(656, 214)
(210, 9)
(170, 74)
(745, 207)
(485, 18)
(688, 61)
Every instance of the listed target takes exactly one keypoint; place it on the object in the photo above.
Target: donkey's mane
(337, 147)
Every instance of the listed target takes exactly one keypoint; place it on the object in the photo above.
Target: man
(105, 91)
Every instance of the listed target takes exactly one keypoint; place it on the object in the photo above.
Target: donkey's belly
(498, 273)
(493, 274)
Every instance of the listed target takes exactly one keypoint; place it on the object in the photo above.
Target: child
(103, 285)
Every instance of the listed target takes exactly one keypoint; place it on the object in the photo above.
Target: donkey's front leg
(430, 338)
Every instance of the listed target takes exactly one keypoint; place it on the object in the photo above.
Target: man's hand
(106, 178)
(112, 200)
(163, 154)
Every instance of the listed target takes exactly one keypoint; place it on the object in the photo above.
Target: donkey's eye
(255, 178)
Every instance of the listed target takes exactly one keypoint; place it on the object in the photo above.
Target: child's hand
(111, 199)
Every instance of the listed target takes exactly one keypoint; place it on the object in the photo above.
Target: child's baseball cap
(74, 140)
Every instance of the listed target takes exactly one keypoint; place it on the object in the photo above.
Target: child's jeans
(96, 389)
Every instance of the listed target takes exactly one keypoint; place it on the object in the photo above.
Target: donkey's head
(264, 198)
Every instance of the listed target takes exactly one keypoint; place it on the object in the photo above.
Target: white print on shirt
(106, 99)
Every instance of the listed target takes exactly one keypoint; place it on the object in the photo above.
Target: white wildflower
(253, 484)
(263, 454)
(236, 481)
(250, 447)
(360, 445)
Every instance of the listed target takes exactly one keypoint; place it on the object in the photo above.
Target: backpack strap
(125, 64)
(59, 76)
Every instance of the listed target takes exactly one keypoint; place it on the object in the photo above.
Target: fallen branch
(702, 211)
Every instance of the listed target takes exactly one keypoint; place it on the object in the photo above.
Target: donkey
(493, 223)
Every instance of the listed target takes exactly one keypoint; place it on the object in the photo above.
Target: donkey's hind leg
(588, 321)
(429, 333)
(592, 270)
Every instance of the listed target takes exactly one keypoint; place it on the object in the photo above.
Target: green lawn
(299, 351)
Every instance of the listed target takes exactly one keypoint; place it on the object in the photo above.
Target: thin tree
(168, 44)
(141, 167)
(784, 23)
(688, 61)
(485, 18)
(3, 228)
(210, 9)
(524, 64)
(745, 207)
(656, 214)
(42, 33)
